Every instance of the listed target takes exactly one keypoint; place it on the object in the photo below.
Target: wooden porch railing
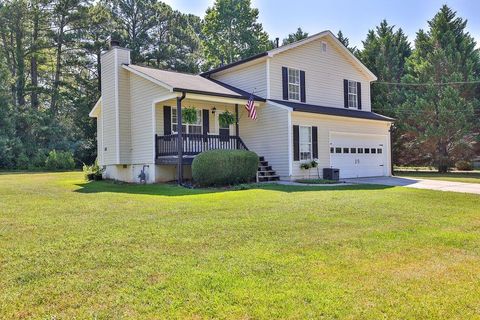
(194, 144)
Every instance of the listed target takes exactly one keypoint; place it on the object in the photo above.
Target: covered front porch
(177, 145)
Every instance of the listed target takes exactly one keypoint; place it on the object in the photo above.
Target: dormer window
(352, 94)
(293, 84)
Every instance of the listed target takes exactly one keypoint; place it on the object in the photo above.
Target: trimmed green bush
(464, 165)
(59, 160)
(224, 167)
(92, 172)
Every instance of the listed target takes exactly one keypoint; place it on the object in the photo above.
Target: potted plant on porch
(189, 115)
(226, 119)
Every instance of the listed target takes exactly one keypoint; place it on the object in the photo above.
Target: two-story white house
(312, 99)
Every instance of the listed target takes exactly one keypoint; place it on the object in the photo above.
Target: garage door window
(305, 143)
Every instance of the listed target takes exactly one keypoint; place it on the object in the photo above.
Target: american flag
(250, 106)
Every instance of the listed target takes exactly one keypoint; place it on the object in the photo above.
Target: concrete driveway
(420, 184)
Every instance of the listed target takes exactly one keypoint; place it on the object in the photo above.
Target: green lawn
(469, 177)
(100, 250)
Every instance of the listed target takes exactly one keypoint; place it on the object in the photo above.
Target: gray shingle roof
(190, 83)
(332, 111)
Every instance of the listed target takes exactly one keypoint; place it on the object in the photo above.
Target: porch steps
(265, 172)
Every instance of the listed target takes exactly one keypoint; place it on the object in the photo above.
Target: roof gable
(354, 60)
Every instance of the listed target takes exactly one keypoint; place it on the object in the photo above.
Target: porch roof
(332, 111)
(184, 82)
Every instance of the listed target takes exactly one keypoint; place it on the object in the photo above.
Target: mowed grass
(100, 250)
(468, 177)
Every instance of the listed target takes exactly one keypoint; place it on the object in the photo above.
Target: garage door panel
(358, 155)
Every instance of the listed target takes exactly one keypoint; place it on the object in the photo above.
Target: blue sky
(353, 17)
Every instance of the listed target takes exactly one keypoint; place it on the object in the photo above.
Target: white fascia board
(206, 97)
(96, 109)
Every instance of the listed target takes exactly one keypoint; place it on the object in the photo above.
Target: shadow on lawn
(170, 189)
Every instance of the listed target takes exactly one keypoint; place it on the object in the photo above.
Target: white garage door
(358, 155)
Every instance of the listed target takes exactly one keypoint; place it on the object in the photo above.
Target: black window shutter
(206, 120)
(302, 86)
(345, 92)
(315, 142)
(296, 143)
(167, 120)
(359, 95)
(285, 83)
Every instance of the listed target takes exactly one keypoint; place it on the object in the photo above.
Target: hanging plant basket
(225, 119)
(189, 115)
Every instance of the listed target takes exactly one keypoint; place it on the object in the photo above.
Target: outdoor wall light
(214, 110)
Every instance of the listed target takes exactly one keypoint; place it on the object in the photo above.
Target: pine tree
(296, 36)
(440, 118)
(231, 32)
(346, 42)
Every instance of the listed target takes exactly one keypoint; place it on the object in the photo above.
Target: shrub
(59, 160)
(464, 165)
(93, 172)
(224, 167)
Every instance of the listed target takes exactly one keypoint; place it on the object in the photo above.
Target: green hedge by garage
(224, 167)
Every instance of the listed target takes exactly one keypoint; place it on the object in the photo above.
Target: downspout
(180, 138)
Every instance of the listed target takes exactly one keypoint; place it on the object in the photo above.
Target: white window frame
(352, 94)
(188, 127)
(305, 143)
(293, 81)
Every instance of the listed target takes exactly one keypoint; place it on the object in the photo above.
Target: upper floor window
(352, 94)
(187, 128)
(293, 84)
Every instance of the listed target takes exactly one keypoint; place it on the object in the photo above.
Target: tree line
(50, 71)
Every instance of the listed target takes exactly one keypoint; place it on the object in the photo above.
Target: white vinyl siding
(268, 136)
(109, 108)
(124, 112)
(324, 73)
(99, 139)
(246, 78)
(329, 124)
(115, 107)
(142, 95)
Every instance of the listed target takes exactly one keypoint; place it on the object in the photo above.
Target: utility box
(331, 174)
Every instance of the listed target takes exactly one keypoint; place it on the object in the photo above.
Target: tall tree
(134, 20)
(346, 42)
(296, 36)
(231, 32)
(385, 51)
(67, 18)
(440, 117)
